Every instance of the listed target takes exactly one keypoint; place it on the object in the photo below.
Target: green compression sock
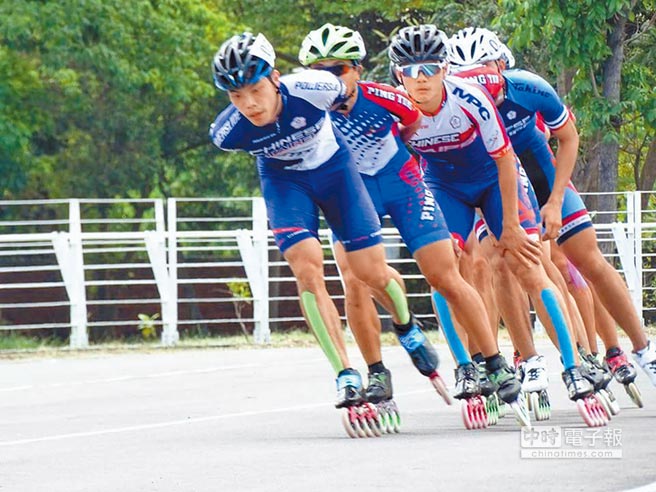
(319, 328)
(395, 291)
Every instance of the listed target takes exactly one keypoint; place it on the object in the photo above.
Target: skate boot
(581, 391)
(488, 392)
(535, 385)
(379, 393)
(646, 358)
(509, 388)
(359, 418)
(592, 374)
(423, 355)
(488, 388)
(468, 391)
(624, 373)
(593, 361)
(603, 392)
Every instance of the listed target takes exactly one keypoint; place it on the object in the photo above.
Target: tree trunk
(606, 153)
(648, 174)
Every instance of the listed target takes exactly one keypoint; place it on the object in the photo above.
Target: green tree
(124, 97)
(590, 47)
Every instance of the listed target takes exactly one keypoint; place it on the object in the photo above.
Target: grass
(14, 346)
(13, 341)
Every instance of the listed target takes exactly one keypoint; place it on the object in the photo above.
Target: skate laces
(466, 371)
(574, 375)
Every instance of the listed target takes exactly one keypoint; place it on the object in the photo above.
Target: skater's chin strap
(309, 302)
(557, 318)
(396, 293)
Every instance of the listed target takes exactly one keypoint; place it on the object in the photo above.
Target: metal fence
(199, 265)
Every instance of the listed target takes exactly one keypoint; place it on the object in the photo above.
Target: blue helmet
(242, 60)
(417, 44)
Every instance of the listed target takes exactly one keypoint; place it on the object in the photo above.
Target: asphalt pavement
(263, 420)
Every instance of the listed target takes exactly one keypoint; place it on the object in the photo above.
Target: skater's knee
(356, 289)
(376, 278)
(309, 278)
(481, 268)
(533, 279)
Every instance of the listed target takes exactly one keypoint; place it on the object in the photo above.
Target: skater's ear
(275, 80)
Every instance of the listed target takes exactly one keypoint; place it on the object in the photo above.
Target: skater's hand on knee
(552, 220)
(515, 241)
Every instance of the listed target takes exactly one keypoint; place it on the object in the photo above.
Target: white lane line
(131, 377)
(18, 388)
(173, 423)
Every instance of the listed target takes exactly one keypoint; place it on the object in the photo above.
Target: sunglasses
(337, 70)
(428, 69)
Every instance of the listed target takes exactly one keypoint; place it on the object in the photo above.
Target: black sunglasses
(337, 70)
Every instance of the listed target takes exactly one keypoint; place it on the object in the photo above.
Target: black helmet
(242, 60)
(417, 44)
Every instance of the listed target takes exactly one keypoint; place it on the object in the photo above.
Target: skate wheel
(584, 411)
(612, 401)
(634, 393)
(359, 429)
(545, 405)
(538, 402)
(481, 411)
(467, 415)
(492, 408)
(396, 421)
(349, 427)
(389, 417)
(520, 410)
(357, 421)
(533, 405)
(383, 419)
(603, 416)
(372, 420)
(503, 407)
(602, 398)
(438, 383)
(364, 423)
(592, 411)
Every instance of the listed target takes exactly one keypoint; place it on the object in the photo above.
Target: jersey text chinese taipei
(303, 164)
(302, 138)
(460, 142)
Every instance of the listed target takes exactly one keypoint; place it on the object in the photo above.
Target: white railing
(106, 260)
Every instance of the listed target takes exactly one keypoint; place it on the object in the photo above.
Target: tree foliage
(114, 98)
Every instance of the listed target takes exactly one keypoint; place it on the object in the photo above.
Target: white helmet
(473, 45)
(331, 42)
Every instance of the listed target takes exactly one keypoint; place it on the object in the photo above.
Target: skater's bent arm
(568, 145)
(407, 131)
(513, 238)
